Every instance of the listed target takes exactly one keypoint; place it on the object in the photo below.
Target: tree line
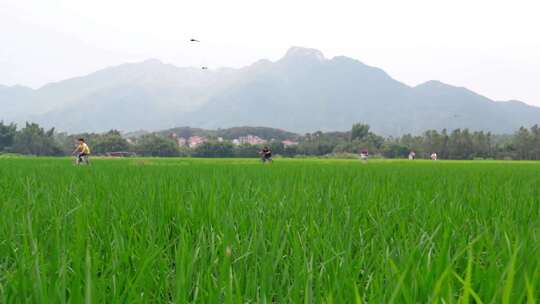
(464, 144)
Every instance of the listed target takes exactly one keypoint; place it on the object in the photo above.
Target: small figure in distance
(412, 155)
(193, 40)
(266, 155)
(204, 68)
(364, 155)
(81, 152)
(433, 156)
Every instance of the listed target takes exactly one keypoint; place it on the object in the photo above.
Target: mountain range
(301, 92)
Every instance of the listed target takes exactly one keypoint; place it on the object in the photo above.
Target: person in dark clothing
(266, 155)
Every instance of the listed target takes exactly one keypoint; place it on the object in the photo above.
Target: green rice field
(297, 231)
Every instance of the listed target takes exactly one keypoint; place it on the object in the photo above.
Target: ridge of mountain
(302, 92)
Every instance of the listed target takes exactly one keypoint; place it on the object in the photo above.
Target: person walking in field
(266, 155)
(412, 155)
(82, 152)
(433, 156)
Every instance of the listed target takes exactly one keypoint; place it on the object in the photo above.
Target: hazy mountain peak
(433, 84)
(346, 59)
(315, 93)
(15, 87)
(301, 53)
(516, 102)
(152, 61)
(262, 63)
(440, 87)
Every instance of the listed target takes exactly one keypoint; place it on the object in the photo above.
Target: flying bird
(194, 40)
(204, 68)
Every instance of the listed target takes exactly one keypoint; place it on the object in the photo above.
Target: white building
(250, 140)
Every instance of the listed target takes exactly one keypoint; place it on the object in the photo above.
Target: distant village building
(289, 143)
(250, 140)
(236, 142)
(194, 141)
(182, 142)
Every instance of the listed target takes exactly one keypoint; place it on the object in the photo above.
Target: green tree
(359, 131)
(7, 135)
(535, 144)
(431, 141)
(277, 147)
(461, 144)
(154, 145)
(68, 142)
(215, 149)
(392, 149)
(246, 150)
(482, 144)
(34, 140)
(111, 141)
(522, 143)
(373, 141)
(413, 143)
(315, 147)
(444, 152)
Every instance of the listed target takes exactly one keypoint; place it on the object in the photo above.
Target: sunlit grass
(224, 231)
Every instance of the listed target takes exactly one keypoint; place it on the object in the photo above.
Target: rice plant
(296, 231)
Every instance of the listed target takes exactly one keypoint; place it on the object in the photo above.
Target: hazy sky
(491, 47)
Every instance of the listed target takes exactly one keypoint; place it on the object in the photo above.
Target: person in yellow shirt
(82, 152)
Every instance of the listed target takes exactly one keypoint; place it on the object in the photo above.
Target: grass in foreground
(235, 231)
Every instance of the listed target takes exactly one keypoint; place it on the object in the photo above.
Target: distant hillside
(232, 133)
(14, 101)
(302, 92)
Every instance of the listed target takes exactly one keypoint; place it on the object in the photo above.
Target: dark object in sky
(194, 40)
(204, 68)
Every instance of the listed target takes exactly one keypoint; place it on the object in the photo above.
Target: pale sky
(489, 46)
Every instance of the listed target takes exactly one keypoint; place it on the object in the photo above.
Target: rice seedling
(296, 231)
